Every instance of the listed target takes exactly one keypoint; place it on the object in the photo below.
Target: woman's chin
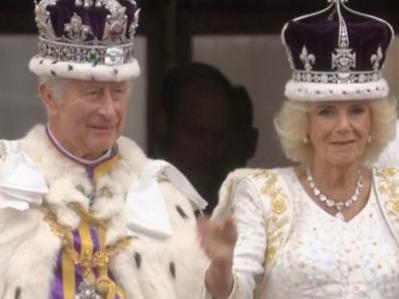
(344, 160)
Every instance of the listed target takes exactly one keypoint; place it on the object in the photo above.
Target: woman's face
(339, 131)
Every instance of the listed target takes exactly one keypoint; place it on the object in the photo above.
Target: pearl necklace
(338, 205)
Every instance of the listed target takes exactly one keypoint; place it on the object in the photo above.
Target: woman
(328, 227)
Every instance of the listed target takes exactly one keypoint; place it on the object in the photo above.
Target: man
(194, 127)
(83, 213)
(205, 126)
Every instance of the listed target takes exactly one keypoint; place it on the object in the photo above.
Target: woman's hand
(218, 241)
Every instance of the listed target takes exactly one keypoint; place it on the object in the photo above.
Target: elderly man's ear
(48, 99)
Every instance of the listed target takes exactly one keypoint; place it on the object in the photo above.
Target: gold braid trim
(99, 260)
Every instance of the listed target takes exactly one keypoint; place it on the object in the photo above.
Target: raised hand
(218, 240)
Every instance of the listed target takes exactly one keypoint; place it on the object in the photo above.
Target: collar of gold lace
(89, 261)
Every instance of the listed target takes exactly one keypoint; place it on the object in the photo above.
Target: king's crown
(94, 31)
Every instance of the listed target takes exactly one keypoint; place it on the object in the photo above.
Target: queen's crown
(337, 45)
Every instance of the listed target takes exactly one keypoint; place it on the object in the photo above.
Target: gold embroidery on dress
(277, 224)
(388, 186)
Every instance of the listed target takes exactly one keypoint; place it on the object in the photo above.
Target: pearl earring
(369, 139)
(305, 140)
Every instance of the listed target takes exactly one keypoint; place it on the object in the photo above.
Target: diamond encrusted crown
(337, 45)
(87, 31)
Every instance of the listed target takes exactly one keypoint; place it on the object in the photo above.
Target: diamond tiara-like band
(336, 78)
(94, 54)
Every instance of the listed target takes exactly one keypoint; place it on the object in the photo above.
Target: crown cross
(343, 60)
(76, 30)
(116, 31)
(307, 59)
(115, 26)
(376, 59)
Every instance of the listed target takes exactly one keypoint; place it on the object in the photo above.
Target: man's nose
(107, 104)
(215, 145)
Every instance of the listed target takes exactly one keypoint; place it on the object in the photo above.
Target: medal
(87, 290)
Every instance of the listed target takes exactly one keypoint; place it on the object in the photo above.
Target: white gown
(324, 257)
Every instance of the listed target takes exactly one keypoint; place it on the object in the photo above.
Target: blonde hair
(291, 124)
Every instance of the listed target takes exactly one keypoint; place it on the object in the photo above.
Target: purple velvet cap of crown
(94, 17)
(321, 39)
(336, 54)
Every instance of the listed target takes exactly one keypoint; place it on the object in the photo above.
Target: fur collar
(68, 181)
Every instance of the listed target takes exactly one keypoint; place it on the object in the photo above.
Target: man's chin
(102, 145)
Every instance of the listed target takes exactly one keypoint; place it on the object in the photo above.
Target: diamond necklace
(338, 205)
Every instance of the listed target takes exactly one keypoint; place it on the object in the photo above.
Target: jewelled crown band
(336, 54)
(62, 52)
(90, 39)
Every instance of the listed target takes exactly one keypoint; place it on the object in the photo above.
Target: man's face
(198, 137)
(89, 116)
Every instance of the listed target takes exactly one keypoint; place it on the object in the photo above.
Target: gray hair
(55, 84)
(291, 124)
